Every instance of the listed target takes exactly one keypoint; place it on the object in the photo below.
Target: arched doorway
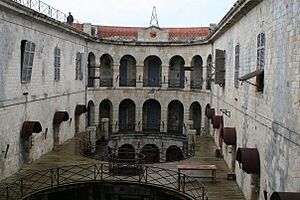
(151, 116)
(197, 73)
(152, 71)
(176, 72)
(207, 124)
(151, 152)
(91, 69)
(106, 112)
(126, 151)
(173, 153)
(127, 71)
(195, 115)
(175, 117)
(106, 71)
(209, 72)
(127, 116)
(91, 113)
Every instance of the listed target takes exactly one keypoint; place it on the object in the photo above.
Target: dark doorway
(105, 111)
(152, 72)
(151, 116)
(176, 72)
(127, 71)
(126, 151)
(195, 116)
(174, 153)
(127, 116)
(175, 117)
(151, 152)
(106, 71)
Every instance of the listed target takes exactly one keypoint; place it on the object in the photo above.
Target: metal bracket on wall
(226, 112)
(6, 151)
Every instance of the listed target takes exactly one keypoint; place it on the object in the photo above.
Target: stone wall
(268, 120)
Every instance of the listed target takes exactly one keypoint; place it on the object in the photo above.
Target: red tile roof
(131, 33)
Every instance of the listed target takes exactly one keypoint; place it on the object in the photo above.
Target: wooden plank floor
(205, 153)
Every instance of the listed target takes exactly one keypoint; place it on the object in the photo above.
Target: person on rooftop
(70, 18)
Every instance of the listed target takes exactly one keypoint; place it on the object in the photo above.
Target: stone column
(116, 76)
(139, 75)
(187, 78)
(164, 76)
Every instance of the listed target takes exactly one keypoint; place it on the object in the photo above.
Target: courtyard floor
(68, 154)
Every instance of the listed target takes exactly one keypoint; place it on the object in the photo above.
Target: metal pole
(21, 182)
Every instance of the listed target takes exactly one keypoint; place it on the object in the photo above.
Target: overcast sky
(171, 13)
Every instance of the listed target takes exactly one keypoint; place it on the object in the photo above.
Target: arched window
(197, 73)
(195, 115)
(127, 116)
(127, 71)
(261, 42)
(91, 69)
(106, 71)
(27, 55)
(56, 63)
(175, 117)
(152, 72)
(91, 113)
(237, 66)
(151, 116)
(176, 72)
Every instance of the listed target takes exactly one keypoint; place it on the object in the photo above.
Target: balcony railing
(43, 8)
(196, 84)
(50, 179)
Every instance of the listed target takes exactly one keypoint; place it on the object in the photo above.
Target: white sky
(171, 13)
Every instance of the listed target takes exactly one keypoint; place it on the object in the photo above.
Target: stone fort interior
(135, 89)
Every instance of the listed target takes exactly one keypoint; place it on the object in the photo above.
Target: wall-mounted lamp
(226, 112)
(6, 151)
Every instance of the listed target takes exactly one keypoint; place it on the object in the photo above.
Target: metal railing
(43, 8)
(37, 181)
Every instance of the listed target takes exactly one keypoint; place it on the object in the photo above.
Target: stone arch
(126, 151)
(106, 71)
(106, 112)
(176, 72)
(151, 152)
(152, 71)
(91, 113)
(175, 117)
(127, 71)
(91, 69)
(207, 124)
(197, 72)
(195, 114)
(151, 115)
(173, 153)
(127, 115)
(208, 72)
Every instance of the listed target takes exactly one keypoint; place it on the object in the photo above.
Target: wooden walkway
(205, 153)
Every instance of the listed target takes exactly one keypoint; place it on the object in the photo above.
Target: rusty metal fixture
(60, 116)
(80, 109)
(249, 160)
(285, 196)
(229, 135)
(217, 121)
(30, 127)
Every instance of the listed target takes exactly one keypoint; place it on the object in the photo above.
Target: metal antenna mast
(154, 20)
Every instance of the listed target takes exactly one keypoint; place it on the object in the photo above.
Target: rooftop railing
(43, 8)
(49, 179)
